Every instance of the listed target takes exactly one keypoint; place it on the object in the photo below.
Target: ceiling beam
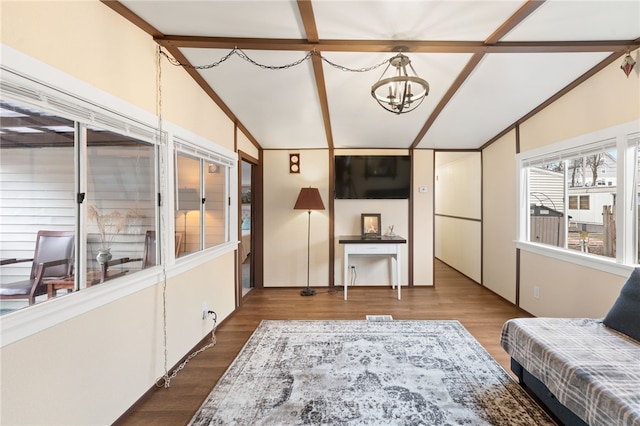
(311, 31)
(457, 83)
(584, 77)
(514, 20)
(178, 56)
(126, 13)
(491, 41)
(415, 46)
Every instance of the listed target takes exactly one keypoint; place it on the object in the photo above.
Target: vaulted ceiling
(489, 64)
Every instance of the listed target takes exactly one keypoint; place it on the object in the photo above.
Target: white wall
(458, 209)
(90, 368)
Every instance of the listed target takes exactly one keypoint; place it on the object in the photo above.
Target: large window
(60, 176)
(582, 195)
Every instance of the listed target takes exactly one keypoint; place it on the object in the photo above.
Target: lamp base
(308, 292)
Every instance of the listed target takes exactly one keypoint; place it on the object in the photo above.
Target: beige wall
(566, 289)
(92, 368)
(499, 217)
(458, 208)
(285, 229)
(605, 100)
(423, 217)
(245, 145)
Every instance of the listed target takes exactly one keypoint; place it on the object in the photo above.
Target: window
(202, 198)
(121, 204)
(61, 174)
(584, 202)
(575, 201)
(64, 162)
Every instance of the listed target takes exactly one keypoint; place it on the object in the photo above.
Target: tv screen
(372, 176)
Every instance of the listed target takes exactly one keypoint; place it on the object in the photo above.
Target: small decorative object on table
(104, 255)
(390, 232)
(109, 225)
(370, 225)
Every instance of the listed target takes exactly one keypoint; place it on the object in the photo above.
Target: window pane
(188, 202)
(215, 221)
(36, 194)
(592, 179)
(584, 202)
(573, 202)
(120, 205)
(546, 200)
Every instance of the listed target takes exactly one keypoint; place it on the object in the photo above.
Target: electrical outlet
(205, 310)
(536, 292)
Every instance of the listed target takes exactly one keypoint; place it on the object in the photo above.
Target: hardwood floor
(454, 297)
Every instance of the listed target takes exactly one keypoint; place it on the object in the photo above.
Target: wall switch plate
(536, 292)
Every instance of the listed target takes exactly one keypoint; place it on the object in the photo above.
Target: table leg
(398, 272)
(345, 280)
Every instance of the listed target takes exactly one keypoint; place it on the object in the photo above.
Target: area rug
(366, 373)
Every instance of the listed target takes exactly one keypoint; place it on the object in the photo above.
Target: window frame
(205, 156)
(626, 211)
(39, 85)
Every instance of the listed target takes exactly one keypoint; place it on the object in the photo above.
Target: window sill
(578, 258)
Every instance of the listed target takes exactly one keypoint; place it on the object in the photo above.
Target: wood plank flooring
(454, 297)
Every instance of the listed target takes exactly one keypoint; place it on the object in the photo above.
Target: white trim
(622, 265)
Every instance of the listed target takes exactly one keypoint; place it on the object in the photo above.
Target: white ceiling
(484, 75)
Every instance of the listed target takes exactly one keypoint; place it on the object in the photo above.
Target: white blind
(185, 147)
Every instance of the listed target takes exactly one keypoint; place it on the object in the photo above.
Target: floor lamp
(309, 199)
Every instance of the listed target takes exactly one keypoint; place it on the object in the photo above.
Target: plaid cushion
(592, 370)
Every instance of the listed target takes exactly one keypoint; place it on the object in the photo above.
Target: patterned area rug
(366, 373)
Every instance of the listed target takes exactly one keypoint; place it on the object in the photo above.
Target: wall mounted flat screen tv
(372, 176)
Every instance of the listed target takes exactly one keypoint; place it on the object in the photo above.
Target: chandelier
(400, 92)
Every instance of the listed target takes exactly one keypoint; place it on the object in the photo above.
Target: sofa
(586, 371)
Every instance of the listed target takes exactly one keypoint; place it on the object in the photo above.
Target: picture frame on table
(370, 225)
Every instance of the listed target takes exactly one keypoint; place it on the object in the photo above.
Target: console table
(383, 246)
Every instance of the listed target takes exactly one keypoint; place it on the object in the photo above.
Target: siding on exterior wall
(28, 206)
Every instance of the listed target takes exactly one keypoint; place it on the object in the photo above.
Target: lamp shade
(309, 199)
